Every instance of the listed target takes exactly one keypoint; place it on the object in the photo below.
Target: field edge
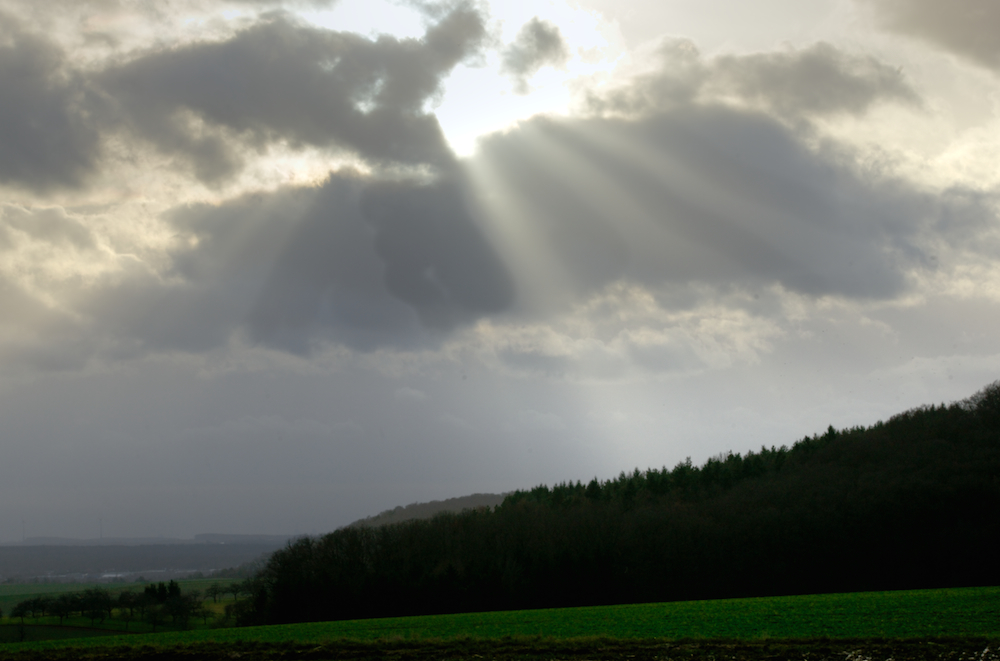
(592, 648)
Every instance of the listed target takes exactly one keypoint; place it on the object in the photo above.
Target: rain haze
(268, 267)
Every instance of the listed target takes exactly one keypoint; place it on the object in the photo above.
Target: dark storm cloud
(326, 281)
(966, 27)
(436, 257)
(359, 264)
(815, 81)
(47, 138)
(281, 81)
(716, 195)
(538, 43)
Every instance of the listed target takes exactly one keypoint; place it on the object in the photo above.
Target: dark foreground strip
(542, 649)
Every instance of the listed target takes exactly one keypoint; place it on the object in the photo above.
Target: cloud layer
(818, 81)
(357, 263)
(215, 103)
(703, 172)
(47, 133)
(966, 28)
(278, 81)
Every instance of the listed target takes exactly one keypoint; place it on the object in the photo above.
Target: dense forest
(907, 503)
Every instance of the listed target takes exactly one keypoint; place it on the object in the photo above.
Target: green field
(963, 612)
(10, 633)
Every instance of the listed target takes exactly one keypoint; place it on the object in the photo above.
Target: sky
(270, 266)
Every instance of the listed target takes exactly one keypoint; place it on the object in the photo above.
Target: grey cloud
(815, 81)
(969, 218)
(7, 239)
(326, 283)
(288, 269)
(700, 194)
(156, 11)
(714, 195)
(538, 43)
(209, 103)
(819, 80)
(51, 225)
(359, 264)
(18, 305)
(47, 137)
(537, 363)
(678, 80)
(684, 190)
(37, 336)
(280, 81)
(437, 259)
(966, 27)
(284, 3)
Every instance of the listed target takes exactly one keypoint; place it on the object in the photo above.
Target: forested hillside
(907, 503)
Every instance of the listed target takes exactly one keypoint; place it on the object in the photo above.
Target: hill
(912, 502)
(427, 510)
(82, 563)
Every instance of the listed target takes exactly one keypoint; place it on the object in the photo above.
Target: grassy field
(964, 613)
(11, 633)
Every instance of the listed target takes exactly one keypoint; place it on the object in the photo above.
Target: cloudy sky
(269, 266)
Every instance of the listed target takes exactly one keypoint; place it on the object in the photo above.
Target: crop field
(969, 614)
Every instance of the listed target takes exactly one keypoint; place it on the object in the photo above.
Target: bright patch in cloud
(480, 97)
(369, 17)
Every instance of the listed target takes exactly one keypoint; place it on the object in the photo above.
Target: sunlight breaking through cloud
(386, 251)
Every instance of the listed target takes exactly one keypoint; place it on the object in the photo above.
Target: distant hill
(118, 561)
(428, 510)
(204, 538)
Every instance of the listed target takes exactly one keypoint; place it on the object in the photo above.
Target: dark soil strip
(936, 649)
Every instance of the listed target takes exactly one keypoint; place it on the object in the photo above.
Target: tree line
(911, 502)
(155, 605)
